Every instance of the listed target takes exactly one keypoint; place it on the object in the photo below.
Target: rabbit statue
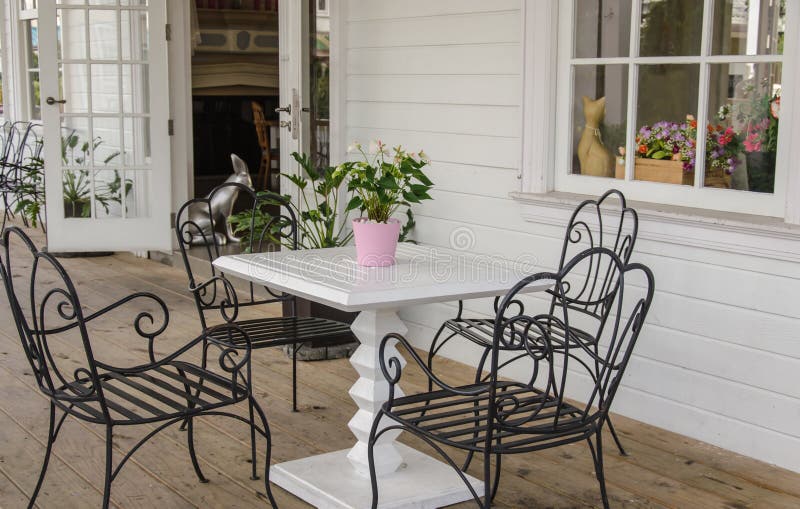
(221, 206)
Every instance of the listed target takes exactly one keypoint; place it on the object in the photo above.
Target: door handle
(51, 101)
(285, 109)
(286, 124)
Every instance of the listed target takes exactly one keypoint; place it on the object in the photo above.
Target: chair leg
(50, 440)
(373, 476)
(192, 454)
(598, 467)
(107, 483)
(268, 459)
(622, 451)
(294, 377)
(487, 479)
(498, 461)
(253, 460)
(478, 372)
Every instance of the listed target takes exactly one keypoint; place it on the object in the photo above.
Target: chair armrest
(231, 299)
(392, 369)
(137, 322)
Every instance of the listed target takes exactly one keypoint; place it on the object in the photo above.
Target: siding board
(462, 59)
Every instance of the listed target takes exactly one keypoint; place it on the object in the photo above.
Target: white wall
(720, 356)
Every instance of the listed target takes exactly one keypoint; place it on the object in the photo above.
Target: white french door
(105, 110)
(306, 80)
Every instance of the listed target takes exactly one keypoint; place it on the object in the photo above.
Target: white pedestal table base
(330, 481)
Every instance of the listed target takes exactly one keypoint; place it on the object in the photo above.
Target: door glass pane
(134, 26)
(105, 88)
(74, 88)
(77, 187)
(744, 103)
(665, 121)
(107, 141)
(34, 92)
(137, 189)
(671, 27)
(103, 34)
(602, 29)
(135, 88)
(319, 76)
(599, 118)
(107, 193)
(755, 27)
(71, 34)
(137, 141)
(75, 146)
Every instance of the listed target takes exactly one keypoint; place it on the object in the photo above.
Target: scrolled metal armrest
(232, 300)
(394, 363)
(230, 349)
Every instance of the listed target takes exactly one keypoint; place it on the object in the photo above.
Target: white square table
(422, 274)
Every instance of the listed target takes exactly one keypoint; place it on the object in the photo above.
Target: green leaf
(354, 203)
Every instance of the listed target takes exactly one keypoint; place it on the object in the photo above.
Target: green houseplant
(383, 182)
(317, 210)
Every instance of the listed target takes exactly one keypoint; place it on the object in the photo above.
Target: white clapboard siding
(475, 89)
(719, 357)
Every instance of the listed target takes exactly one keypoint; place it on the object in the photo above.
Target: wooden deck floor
(663, 469)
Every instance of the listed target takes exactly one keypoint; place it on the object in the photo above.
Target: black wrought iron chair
(14, 150)
(594, 223)
(158, 392)
(214, 293)
(496, 417)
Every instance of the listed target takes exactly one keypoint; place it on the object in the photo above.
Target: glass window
(680, 100)
(31, 31)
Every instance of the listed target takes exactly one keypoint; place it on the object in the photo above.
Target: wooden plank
(497, 90)
(501, 58)
(383, 9)
(11, 495)
(469, 28)
(21, 463)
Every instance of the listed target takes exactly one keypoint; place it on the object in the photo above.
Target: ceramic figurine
(595, 159)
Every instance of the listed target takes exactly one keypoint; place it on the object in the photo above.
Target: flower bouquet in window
(667, 152)
(760, 141)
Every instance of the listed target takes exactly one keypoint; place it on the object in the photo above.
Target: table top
(422, 274)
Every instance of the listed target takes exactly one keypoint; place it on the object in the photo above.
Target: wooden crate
(671, 172)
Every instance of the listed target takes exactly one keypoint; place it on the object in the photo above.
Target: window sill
(743, 233)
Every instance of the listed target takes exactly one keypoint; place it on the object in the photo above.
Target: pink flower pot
(376, 243)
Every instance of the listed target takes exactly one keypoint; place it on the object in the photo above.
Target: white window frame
(547, 96)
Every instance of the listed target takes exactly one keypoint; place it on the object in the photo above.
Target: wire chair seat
(481, 331)
(156, 395)
(289, 330)
(461, 420)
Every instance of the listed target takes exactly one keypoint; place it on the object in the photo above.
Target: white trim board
(753, 235)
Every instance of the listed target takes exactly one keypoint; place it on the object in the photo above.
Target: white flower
(354, 146)
(424, 157)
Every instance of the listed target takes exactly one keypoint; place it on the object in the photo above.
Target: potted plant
(382, 183)
(761, 142)
(76, 183)
(666, 152)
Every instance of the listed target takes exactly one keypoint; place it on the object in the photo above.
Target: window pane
(670, 27)
(599, 113)
(32, 37)
(602, 29)
(71, 34)
(35, 95)
(77, 187)
(748, 28)
(108, 193)
(744, 103)
(666, 130)
(103, 34)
